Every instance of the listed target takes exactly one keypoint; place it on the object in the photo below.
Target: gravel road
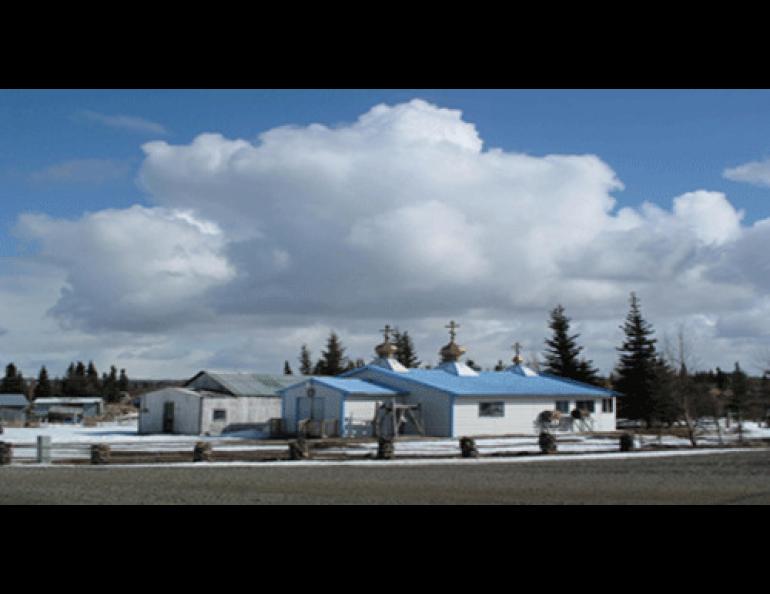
(732, 478)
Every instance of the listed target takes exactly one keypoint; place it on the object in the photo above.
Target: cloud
(91, 171)
(138, 269)
(125, 122)
(754, 172)
(402, 216)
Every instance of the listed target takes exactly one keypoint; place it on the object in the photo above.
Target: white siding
(240, 409)
(519, 416)
(186, 411)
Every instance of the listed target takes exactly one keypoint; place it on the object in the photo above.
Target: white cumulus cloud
(402, 216)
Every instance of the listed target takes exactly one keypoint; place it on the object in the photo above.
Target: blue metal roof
(13, 400)
(495, 383)
(349, 386)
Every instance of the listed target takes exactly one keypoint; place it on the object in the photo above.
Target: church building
(452, 400)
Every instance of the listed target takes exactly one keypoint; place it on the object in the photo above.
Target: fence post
(385, 449)
(43, 449)
(547, 443)
(6, 453)
(468, 448)
(298, 449)
(202, 452)
(626, 442)
(100, 454)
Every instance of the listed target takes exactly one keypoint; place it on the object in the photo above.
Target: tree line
(656, 387)
(333, 360)
(79, 380)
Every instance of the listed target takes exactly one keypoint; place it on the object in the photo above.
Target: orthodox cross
(386, 331)
(452, 327)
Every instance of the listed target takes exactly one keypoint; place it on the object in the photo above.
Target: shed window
(219, 414)
(562, 406)
(607, 405)
(491, 409)
(585, 405)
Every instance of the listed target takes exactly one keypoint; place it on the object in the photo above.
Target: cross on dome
(517, 358)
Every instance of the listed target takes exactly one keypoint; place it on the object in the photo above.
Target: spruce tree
(406, 354)
(43, 386)
(562, 357)
(110, 389)
(286, 368)
(739, 400)
(638, 367)
(305, 362)
(123, 381)
(333, 360)
(92, 386)
(500, 366)
(13, 382)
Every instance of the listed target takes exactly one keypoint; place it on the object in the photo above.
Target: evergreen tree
(305, 362)
(739, 400)
(92, 386)
(638, 367)
(500, 366)
(76, 382)
(13, 382)
(110, 390)
(123, 381)
(333, 360)
(406, 354)
(562, 357)
(286, 368)
(668, 390)
(43, 386)
(764, 398)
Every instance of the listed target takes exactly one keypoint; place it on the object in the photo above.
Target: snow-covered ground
(72, 441)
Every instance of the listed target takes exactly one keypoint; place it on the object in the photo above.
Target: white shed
(213, 403)
(347, 406)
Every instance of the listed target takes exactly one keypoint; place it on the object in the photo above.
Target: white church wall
(519, 416)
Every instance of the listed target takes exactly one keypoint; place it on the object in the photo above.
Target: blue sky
(67, 153)
(660, 142)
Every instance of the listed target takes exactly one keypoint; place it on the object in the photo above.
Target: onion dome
(451, 352)
(385, 352)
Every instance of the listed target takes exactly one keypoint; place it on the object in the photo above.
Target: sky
(168, 231)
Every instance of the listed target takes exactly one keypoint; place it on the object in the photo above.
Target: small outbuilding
(212, 403)
(13, 408)
(68, 408)
(336, 407)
